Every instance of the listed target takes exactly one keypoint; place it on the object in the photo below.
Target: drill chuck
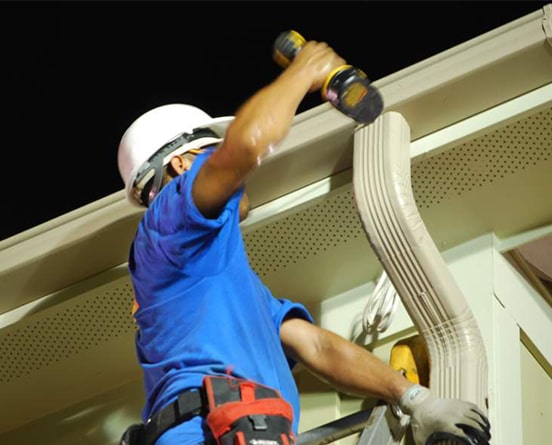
(286, 47)
(347, 88)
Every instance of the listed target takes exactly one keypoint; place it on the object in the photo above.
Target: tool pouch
(242, 412)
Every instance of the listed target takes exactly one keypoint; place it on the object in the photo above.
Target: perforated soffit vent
(65, 330)
(475, 164)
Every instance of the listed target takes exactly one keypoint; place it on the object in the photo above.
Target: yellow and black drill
(347, 88)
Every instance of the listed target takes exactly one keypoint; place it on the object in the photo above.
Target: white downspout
(396, 232)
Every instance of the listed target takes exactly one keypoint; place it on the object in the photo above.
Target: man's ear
(179, 164)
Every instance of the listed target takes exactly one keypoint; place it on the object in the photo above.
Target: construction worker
(202, 311)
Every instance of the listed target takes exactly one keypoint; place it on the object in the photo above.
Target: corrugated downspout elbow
(398, 235)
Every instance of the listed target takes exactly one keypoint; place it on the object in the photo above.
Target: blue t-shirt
(202, 308)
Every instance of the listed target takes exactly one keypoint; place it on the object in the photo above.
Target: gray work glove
(435, 419)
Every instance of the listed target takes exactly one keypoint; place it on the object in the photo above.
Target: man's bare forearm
(354, 370)
(265, 119)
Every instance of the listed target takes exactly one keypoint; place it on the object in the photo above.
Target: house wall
(536, 398)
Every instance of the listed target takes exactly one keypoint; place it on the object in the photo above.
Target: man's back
(202, 309)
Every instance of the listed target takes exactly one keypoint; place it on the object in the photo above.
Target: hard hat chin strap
(147, 196)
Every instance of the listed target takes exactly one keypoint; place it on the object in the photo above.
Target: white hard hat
(156, 136)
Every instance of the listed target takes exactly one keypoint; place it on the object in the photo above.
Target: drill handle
(347, 88)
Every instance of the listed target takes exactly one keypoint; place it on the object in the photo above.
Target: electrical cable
(380, 307)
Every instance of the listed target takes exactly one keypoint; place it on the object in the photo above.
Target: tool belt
(238, 412)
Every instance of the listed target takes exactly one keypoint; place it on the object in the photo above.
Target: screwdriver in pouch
(347, 88)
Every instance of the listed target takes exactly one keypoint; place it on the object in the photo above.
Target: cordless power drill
(347, 88)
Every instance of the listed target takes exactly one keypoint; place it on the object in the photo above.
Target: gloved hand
(434, 419)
